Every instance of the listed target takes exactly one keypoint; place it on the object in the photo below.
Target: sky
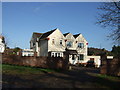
(21, 19)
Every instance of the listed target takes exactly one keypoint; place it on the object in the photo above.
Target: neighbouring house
(53, 43)
(77, 46)
(34, 42)
(27, 52)
(2, 44)
(48, 44)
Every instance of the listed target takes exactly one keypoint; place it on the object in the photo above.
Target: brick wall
(110, 66)
(44, 62)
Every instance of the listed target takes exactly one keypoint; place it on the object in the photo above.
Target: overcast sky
(21, 19)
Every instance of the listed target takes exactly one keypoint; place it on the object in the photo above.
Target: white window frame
(69, 43)
(80, 45)
(61, 42)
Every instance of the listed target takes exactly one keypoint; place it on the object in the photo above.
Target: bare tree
(109, 17)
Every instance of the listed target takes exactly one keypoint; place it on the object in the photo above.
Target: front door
(73, 59)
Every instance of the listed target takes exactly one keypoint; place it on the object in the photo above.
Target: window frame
(81, 57)
(53, 41)
(80, 45)
(61, 42)
(69, 43)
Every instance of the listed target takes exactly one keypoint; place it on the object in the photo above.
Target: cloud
(36, 9)
(42, 6)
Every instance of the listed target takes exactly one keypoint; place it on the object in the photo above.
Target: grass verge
(112, 78)
(14, 69)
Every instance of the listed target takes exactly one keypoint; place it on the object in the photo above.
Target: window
(58, 54)
(81, 45)
(69, 44)
(52, 55)
(53, 42)
(60, 42)
(81, 57)
(29, 55)
(61, 54)
(73, 57)
(78, 57)
(55, 54)
(33, 44)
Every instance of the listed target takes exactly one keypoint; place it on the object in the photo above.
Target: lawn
(30, 77)
(14, 69)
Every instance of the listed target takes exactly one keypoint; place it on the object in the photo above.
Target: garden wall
(34, 61)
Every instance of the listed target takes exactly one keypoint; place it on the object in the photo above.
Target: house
(77, 46)
(48, 44)
(34, 42)
(53, 43)
(2, 44)
(27, 52)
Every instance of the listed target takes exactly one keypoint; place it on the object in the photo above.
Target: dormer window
(60, 42)
(81, 45)
(69, 44)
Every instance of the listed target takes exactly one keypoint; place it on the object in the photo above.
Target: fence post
(20, 53)
(35, 54)
(103, 68)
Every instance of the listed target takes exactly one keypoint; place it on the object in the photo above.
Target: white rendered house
(27, 52)
(2, 44)
(50, 43)
(53, 43)
(77, 46)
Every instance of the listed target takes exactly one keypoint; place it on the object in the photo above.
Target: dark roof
(66, 34)
(37, 34)
(2, 37)
(76, 35)
(71, 51)
(47, 34)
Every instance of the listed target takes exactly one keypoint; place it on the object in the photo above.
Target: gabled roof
(37, 35)
(66, 34)
(44, 35)
(1, 37)
(76, 35)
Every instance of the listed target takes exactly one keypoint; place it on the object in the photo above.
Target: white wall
(43, 47)
(71, 38)
(57, 36)
(27, 52)
(97, 60)
(81, 39)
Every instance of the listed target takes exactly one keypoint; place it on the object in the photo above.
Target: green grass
(106, 81)
(111, 82)
(14, 69)
(111, 78)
